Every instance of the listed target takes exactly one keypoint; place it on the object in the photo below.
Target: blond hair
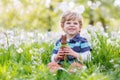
(70, 15)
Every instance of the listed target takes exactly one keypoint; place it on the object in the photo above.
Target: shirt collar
(75, 39)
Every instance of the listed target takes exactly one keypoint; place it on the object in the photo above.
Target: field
(25, 55)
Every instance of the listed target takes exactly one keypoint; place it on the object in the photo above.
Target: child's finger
(66, 49)
(61, 57)
(61, 54)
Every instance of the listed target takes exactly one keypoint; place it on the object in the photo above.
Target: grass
(31, 63)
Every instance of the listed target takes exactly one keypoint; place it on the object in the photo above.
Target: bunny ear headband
(70, 6)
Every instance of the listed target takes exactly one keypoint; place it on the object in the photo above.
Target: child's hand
(68, 51)
(60, 54)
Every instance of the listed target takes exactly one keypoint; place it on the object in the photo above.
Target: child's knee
(53, 64)
(76, 64)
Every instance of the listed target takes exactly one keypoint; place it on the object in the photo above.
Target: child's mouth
(71, 29)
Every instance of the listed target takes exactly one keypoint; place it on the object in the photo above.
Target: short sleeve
(56, 47)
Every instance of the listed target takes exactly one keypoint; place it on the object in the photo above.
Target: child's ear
(62, 25)
(63, 29)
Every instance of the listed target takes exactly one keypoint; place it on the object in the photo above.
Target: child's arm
(59, 56)
(81, 56)
(84, 56)
(53, 57)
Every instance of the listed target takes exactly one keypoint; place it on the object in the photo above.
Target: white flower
(80, 9)
(111, 61)
(117, 3)
(109, 41)
(105, 34)
(41, 50)
(20, 50)
(93, 5)
(17, 4)
(98, 3)
(31, 51)
(85, 34)
(116, 65)
(91, 29)
(89, 3)
(47, 3)
(84, 67)
(74, 70)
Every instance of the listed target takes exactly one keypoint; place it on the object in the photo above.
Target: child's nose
(71, 24)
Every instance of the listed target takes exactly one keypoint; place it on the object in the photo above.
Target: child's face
(71, 27)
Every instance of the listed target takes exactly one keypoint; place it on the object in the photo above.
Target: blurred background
(44, 15)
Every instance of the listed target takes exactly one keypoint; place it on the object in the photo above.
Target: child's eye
(68, 23)
(75, 23)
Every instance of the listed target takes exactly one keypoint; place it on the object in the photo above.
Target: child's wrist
(75, 55)
(56, 58)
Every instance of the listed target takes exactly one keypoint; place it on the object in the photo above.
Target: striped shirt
(77, 44)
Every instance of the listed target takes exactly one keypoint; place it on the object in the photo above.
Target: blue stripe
(83, 45)
(76, 49)
(72, 45)
(85, 49)
(55, 51)
(77, 44)
(57, 46)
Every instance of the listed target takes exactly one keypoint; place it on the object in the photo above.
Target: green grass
(31, 63)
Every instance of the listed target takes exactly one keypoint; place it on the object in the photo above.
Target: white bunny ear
(64, 6)
(80, 9)
(71, 4)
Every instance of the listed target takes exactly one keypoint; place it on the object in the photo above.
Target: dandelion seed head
(111, 61)
(93, 5)
(116, 65)
(20, 50)
(47, 3)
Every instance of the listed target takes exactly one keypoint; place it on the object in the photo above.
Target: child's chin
(72, 33)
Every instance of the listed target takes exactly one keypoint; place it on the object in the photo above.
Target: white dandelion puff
(20, 50)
